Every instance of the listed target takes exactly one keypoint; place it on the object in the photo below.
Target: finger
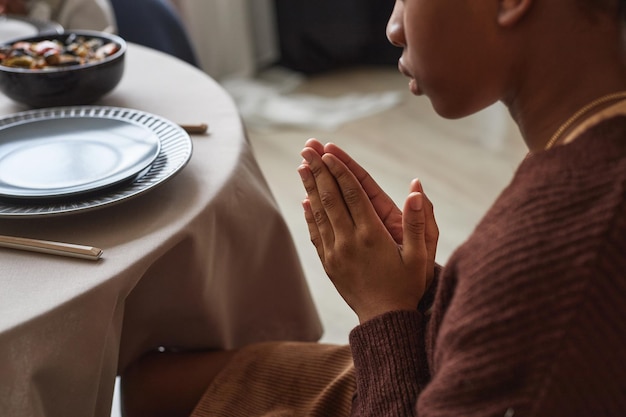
(359, 172)
(416, 186)
(354, 197)
(315, 145)
(314, 233)
(317, 209)
(328, 194)
(383, 204)
(432, 230)
(414, 251)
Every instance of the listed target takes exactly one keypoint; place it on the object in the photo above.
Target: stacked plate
(66, 159)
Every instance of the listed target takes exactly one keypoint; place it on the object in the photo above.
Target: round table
(203, 261)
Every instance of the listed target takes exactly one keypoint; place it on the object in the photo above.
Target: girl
(528, 318)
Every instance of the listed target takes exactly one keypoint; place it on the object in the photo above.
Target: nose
(395, 26)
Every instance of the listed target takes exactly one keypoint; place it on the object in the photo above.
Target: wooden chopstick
(50, 247)
(196, 129)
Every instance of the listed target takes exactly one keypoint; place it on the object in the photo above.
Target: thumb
(414, 232)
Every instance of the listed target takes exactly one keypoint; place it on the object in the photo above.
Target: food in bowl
(66, 69)
(51, 53)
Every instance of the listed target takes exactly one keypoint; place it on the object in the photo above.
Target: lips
(403, 69)
(413, 84)
(414, 87)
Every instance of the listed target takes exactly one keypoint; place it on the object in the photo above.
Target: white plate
(140, 175)
(15, 27)
(51, 157)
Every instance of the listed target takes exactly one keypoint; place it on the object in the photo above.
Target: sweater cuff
(390, 360)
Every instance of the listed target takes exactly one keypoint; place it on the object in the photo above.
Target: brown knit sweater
(529, 317)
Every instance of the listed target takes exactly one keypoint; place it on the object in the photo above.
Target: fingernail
(306, 154)
(328, 160)
(416, 202)
(417, 185)
(304, 172)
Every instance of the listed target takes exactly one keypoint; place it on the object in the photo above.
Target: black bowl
(67, 85)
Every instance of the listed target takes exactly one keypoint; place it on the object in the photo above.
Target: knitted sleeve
(394, 344)
(390, 363)
(540, 336)
(530, 313)
(555, 349)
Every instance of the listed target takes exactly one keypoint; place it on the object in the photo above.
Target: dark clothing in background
(155, 24)
(320, 35)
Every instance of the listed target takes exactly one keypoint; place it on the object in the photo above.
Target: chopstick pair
(50, 247)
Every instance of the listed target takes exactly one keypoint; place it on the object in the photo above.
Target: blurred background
(241, 37)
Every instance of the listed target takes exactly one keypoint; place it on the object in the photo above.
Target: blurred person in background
(155, 24)
(71, 14)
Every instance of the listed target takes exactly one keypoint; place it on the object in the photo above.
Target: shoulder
(566, 199)
(559, 225)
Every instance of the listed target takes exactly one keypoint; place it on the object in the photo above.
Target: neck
(582, 73)
(550, 114)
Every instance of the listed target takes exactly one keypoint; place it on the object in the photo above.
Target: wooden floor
(463, 165)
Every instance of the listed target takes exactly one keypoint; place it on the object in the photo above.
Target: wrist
(369, 314)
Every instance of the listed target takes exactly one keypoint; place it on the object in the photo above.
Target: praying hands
(379, 258)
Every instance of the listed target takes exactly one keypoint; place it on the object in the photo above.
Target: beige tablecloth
(202, 261)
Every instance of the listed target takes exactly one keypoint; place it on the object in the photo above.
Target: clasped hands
(379, 258)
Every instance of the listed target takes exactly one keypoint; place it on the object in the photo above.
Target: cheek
(454, 71)
(431, 61)
(430, 44)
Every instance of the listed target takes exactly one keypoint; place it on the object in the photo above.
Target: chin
(455, 109)
(450, 112)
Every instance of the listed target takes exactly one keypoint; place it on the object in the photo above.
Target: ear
(512, 11)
